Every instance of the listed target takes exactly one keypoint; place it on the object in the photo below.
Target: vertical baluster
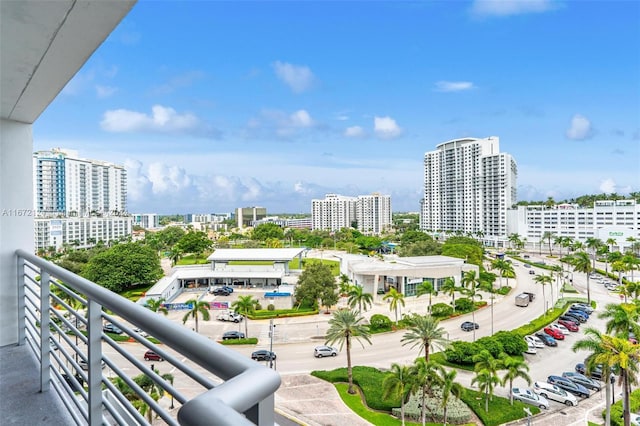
(45, 321)
(94, 335)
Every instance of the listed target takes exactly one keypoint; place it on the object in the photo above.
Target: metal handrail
(245, 397)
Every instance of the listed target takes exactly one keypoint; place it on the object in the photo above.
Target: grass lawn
(500, 410)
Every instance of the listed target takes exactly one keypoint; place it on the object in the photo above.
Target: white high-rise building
(70, 186)
(370, 214)
(468, 186)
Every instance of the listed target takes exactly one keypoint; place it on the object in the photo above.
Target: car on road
(546, 339)
(110, 328)
(554, 393)
(570, 325)
(535, 341)
(263, 355)
(152, 356)
(526, 265)
(582, 380)
(569, 386)
(555, 333)
(596, 372)
(561, 328)
(529, 397)
(228, 335)
(469, 326)
(230, 316)
(324, 350)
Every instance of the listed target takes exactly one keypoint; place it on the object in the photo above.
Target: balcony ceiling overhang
(42, 46)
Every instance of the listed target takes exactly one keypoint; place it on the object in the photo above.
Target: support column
(16, 218)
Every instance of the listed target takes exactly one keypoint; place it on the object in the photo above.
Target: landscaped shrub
(504, 290)
(490, 344)
(461, 352)
(457, 411)
(258, 307)
(512, 343)
(441, 310)
(271, 307)
(379, 322)
(464, 305)
(616, 409)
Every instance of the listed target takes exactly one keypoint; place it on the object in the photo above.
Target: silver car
(322, 351)
(530, 397)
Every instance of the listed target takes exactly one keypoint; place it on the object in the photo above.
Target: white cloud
(105, 91)
(386, 127)
(580, 128)
(354, 132)
(301, 118)
(608, 186)
(162, 120)
(454, 86)
(279, 124)
(511, 7)
(299, 78)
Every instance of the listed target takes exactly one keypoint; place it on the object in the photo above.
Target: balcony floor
(21, 402)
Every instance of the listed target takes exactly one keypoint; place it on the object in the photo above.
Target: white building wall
(80, 232)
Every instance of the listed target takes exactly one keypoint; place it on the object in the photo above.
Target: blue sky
(217, 105)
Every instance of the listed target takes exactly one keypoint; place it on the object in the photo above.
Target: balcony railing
(101, 380)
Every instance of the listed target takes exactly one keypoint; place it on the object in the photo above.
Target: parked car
(142, 333)
(152, 356)
(110, 328)
(531, 339)
(595, 373)
(554, 393)
(582, 312)
(567, 317)
(579, 314)
(582, 380)
(531, 349)
(569, 386)
(570, 325)
(529, 397)
(224, 288)
(219, 291)
(322, 351)
(85, 366)
(557, 326)
(469, 326)
(583, 307)
(263, 355)
(546, 339)
(555, 333)
(230, 316)
(228, 335)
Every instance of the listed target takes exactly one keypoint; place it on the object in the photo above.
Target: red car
(571, 326)
(152, 356)
(555, 333)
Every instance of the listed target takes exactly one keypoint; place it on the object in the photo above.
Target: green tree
(315, 283)
(195, 242)
(357, 297)
(396, 299)
(470, 282)
(622, 318)
(548, 237)
(266, 231)
(449, 287)
(593, 244)
(198, 309)
(426, 379)
(344, 326)
(397, 384)
(543, 280)
(124, 266)
(503, 267)
(486, 382)
(449, 388)
(156, 305)
(426, 333)
(581, 263)
(515, 368)
(245, 306)
(426, 287)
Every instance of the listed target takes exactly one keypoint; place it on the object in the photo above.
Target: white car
(535, 341)
(141, 332)
(531, 349)
(561, 328)
(530, 397)
(554, 393)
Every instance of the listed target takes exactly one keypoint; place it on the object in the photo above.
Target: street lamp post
(271, 331)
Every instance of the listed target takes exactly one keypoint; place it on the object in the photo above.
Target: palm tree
(396, 298)
(245, 305)
(471, 281)
(156, 305)
(426, 333)
(397, 384)
(345, 284)
(343, 326)
(503, 267)
(582, 263)
(622, 319)
(197, 308)
(543, 280)
(426, 379)
(486, 384)
(487, 286)
(547, 236)
(449, 287)
(426, 287)
(514, 368)
(449, 387)
(593, 244)
(630, 262)
(358, 297)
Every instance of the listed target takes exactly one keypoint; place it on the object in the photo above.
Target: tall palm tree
(343, 326)
(245, 305)
(486, 382)
(487, 286)
(156, 305)
(449, 387)
(426, 333)
(471, 281)
(425, 287)
(426, 376)
(543, 280)
(630, 262)
(396, 299)
(514, 368)
(582, 263)
(593, 244)
(357, 297)
(449, 287)
(548, 237)
(345, 284)
(397, 384)
(503, 267)
(198, 309)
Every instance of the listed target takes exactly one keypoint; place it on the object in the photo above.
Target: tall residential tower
(370, 214)
(468, 187)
